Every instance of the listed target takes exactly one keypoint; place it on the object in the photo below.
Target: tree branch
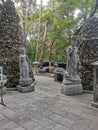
(95, 9)
(3, 1)
(91, 15)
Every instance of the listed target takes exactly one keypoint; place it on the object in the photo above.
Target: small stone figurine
(24, 67)
(71, 82)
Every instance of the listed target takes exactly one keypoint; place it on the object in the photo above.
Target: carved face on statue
(74, 41)
(22, 51)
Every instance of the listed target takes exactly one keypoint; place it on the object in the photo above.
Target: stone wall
(11, 40)
(88, 51)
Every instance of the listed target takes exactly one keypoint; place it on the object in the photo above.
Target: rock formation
(88, 51)
(11, 40)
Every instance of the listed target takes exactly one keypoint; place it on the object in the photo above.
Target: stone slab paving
(47, 109)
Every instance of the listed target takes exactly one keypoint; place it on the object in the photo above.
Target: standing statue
(26, 83)
(24, 67)
(72, 82)
(72, 59)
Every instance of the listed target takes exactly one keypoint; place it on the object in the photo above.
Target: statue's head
(74, 40)
(22, 50)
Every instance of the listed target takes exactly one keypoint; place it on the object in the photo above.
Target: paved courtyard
(47, 109)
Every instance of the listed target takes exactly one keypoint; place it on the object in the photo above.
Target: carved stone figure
(71, 81)
(72, 59)
(26, 84)
(24, 67)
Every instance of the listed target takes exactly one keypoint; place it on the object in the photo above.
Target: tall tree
(49, 27)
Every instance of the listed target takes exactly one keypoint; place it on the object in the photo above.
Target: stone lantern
(95, 84)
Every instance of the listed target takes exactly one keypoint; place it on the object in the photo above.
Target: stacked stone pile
(88, 51)
(10, 41)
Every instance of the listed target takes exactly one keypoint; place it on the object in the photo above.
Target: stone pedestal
(26, 85)
(59, 74)
(25, 89)
(71, 87)
(25, 82)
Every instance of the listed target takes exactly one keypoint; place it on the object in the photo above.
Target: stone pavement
(47, 109)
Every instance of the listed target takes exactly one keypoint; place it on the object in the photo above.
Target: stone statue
(24, 67)
(26, 84)
(72, 59)
(72, 83)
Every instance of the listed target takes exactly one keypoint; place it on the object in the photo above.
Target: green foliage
(63, 21)
(30, 47)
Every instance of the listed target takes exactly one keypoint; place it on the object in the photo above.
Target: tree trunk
(27, 18)
(43, 41)
(51, 49)
(23, 21)
(39, 29)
